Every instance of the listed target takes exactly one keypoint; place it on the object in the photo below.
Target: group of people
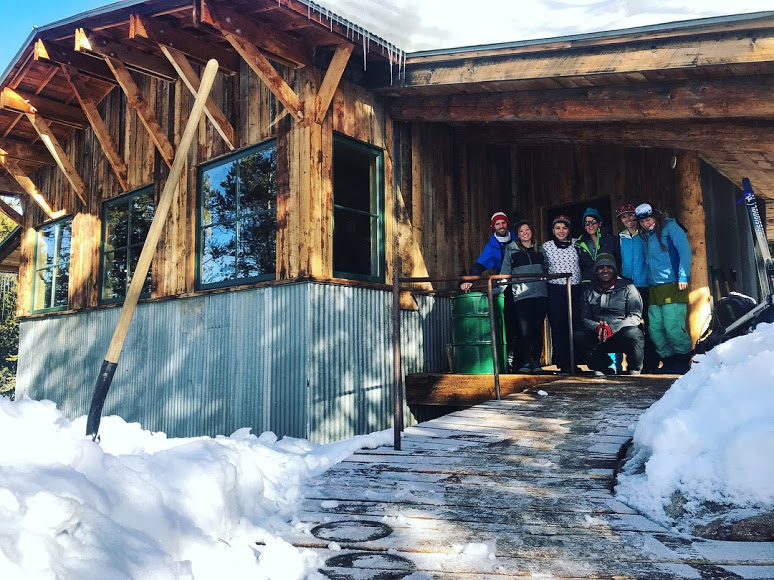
(629, 291)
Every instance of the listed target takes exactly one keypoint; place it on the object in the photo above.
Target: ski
(766, 267)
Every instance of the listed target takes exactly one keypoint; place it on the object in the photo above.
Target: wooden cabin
(329, 160)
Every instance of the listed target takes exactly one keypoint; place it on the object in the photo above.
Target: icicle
(364, 52)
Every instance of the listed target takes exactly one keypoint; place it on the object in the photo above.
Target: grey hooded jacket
(619, 306)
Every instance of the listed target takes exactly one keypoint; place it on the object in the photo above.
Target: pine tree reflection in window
(52, 266)
(127, 220)
(238, 218)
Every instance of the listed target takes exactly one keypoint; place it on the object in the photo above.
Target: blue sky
(414, 25)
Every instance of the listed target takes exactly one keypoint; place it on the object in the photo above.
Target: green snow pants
(666, 327)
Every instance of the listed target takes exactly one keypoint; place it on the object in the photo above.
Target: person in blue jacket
(634, 268)
(668, 257)
(491, 258)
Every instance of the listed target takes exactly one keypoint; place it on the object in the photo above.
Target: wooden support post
(331, 79)
(98, 125)
(59, 155)
(148, 250)
(268, 74)
(26, 183)
(191, 80)
(139, 104)
(690, 210)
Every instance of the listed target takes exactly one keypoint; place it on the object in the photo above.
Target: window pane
(218, 188)
(134, 256)
(142, 216)
(114, 284)
(219, 254)
(352, 183)
(352, 243)
(65, 238)
(61, 284)
(258, 186)
(43, 286)
(116, 221)
(46, 247)
(257, 245)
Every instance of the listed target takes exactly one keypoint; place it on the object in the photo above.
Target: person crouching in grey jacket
(611, 314)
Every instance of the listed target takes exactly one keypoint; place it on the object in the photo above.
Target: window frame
(199, 248)
(123, 198)
(35, 269)
(377, 192)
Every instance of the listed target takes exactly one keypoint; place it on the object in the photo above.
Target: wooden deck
(516, 488)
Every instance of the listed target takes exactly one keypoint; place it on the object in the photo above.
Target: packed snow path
(519, 487)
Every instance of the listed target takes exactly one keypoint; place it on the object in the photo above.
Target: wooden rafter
(690, 100)
(133, 58)
(25, 151)
(97, 124)
(11, 213)
(191, 80)
(55, 111)
(28, 186)
(9, 185)
(59, 155)
(194, 47)
(331, 79)
(283, 49)
(55, 54)
(268, 74)
(138, 103)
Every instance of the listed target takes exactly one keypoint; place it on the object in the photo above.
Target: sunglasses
(590, 222)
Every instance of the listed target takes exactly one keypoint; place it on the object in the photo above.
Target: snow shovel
(110, 363)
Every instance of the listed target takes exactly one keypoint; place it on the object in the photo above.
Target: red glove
(604, 331)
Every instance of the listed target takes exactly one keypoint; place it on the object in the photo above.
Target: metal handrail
(397, 394)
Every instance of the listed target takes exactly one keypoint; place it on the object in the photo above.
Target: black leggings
(527, 324)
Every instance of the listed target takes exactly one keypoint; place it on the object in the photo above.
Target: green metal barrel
(472, 340)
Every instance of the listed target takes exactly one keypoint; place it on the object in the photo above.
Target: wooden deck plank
(519, 487)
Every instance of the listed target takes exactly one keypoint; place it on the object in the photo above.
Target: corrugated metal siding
(307, 360)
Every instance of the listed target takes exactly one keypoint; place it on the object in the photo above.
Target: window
(52, 266)
(358, 223)
(125, 224)
(237, 231)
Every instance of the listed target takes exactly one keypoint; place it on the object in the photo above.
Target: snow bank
(711, 437)
(142, 505)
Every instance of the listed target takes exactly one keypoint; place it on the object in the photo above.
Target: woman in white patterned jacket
(561, 257)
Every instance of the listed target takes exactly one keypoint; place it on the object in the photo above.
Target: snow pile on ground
(707, 446)
(142, 505)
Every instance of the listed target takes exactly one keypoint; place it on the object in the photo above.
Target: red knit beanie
(499, 215)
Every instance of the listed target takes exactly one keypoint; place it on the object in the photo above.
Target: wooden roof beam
(331, 80)
(268, 75)
(690, 100)
(138, 103)
(192, 81)
(93, 43)
(101, 131)
(29, 187)
(283, 49)
(680, 53)
(59, 155)
(55, 111)
(55, 55)
(8, 184)
(25, 151)
(11, 213)
(153, 30)
(695, 136)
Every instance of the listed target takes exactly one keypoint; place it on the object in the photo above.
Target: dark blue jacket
(491, 257)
